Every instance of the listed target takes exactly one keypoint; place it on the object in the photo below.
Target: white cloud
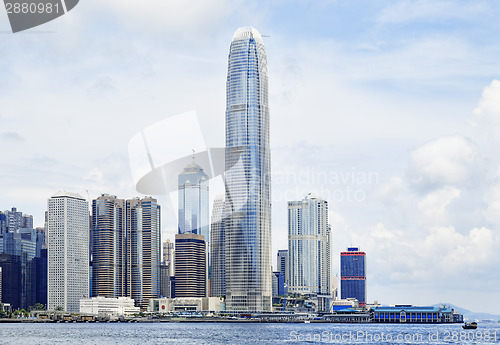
(380, 231)
(449, 160)
(455, 254)
(194, 20)
(488, 110)
(428, 10)
(433, 206)
(13, 137)
(394, 186)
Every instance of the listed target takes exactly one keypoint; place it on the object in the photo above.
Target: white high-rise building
(68, 251)
(309, 246)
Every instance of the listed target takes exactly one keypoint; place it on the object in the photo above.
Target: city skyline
(388, 110)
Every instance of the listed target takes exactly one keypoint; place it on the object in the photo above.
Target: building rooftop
(246, 33)
(410, 309)
(68, 195)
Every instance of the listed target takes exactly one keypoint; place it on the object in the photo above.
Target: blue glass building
(193, 201)
(3, 223)
(353, 275)
(248, 175)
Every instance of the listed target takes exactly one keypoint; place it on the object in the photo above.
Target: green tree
(39, 306)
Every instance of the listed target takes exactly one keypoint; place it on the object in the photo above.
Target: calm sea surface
(244, 333)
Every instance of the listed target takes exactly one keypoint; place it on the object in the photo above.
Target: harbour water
(244, 333)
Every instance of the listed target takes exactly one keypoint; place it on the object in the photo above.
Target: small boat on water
(470, 325)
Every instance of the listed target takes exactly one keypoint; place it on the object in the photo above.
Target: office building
(14, 220)
(278, 284)
(68, 251)
(143, 250)
(167, 269)
(309, 247)
(3, 223)
(108, 247)
(193, 201)
(11, 280)
(283, 264)
(39, 272)
(168, 253)
(247, 176)
(190, 266)
(353, 275)
(27, 221)
(165, 281)
(25, 246)
(217, 250)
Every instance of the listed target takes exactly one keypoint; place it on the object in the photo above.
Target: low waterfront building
(5, 307)
(415, 314)
(349, 316)
(186, 304)
(341, 304)
(108, 306)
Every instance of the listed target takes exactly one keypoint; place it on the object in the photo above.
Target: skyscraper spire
(248, 175)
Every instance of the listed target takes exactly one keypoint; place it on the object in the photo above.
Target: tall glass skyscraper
(353, 275)
(248, 175)
(193, 201)
(108, 247)
(143, 250)
(217, 250)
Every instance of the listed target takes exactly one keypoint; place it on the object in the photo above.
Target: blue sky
(397, 101)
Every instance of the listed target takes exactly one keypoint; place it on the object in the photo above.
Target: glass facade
(3, 223)
(190, 266)
(353, 275)
(247, 176)
(143, 250)
(309, 247)
(217, 250)
(108, 246)
(193, 201)
(283, 263)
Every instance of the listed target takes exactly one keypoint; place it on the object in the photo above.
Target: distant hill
(469, 315)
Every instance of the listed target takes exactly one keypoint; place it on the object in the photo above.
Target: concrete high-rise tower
(248, 175)
(68, 251)
(309, 249)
